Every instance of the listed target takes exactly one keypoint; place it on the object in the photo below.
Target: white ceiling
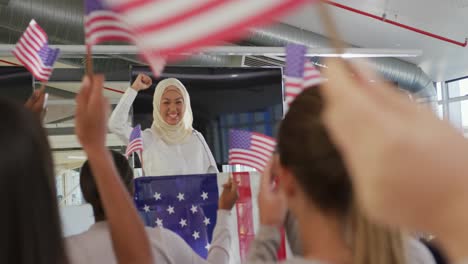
(449, 18)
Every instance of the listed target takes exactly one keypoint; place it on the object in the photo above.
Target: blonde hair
(373, 243)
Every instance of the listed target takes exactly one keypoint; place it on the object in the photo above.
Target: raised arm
(220, 249)
(129, 238)
(118, 122)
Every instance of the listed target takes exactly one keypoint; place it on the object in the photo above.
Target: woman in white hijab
(171, 146)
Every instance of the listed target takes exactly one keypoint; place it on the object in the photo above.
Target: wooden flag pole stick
(141, 161)
(43, 85)
(89, 61)
(330, 27)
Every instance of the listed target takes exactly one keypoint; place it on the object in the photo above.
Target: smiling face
(172, 106)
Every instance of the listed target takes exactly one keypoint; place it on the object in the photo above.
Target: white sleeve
(220, 249)
(118, 121)
(212, 167)
(418, 253)
(180, 252)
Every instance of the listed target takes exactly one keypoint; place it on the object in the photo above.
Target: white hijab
(172, 134)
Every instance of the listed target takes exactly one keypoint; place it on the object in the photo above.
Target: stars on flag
(170, 209)
(185, 205)
(207, 247)
(159, 222)
(196, 235)
(183, 222)
(206, 221)
(180, 197)
(157, 196)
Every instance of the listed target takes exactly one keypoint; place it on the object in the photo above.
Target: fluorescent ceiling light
(233, 51)
(77, 157)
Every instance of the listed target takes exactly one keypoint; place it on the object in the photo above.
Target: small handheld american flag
(34, 52)
(135, 143)
(250, 149)
(300, 73)
(103, 25)
(167, 29)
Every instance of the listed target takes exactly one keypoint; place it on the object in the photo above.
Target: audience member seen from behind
(126, 228)
(30, 220)
(314, 184)
(94, 245)
(32, 232)
(407, 165)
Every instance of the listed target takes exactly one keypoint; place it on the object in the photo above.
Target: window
(68, 187)
(457, 104)
(439, 90)
(440, 111)
(458, 88)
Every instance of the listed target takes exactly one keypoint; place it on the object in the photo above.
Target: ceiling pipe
(63, 21)
(120, 50)
(384, 19)
(407, 75)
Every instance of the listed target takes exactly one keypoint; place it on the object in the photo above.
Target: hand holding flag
(229, 196)
(37, 102)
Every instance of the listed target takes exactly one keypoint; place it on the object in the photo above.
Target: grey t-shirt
(263, 249)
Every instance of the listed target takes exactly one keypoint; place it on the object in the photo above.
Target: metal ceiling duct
(63, 21)
(407, 75)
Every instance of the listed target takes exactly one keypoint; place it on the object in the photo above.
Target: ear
(286, 179)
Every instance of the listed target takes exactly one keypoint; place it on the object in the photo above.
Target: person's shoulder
(154, 231)
(97, 229)
(298, 260)
(197, 134)
(147, 131)
(418, 253)
(149, 134)
(75, 245)
(162, 235)
(78, 237)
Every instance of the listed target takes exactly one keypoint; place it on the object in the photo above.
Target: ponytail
(373, 243)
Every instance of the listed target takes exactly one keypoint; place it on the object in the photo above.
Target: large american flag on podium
(187, 205)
